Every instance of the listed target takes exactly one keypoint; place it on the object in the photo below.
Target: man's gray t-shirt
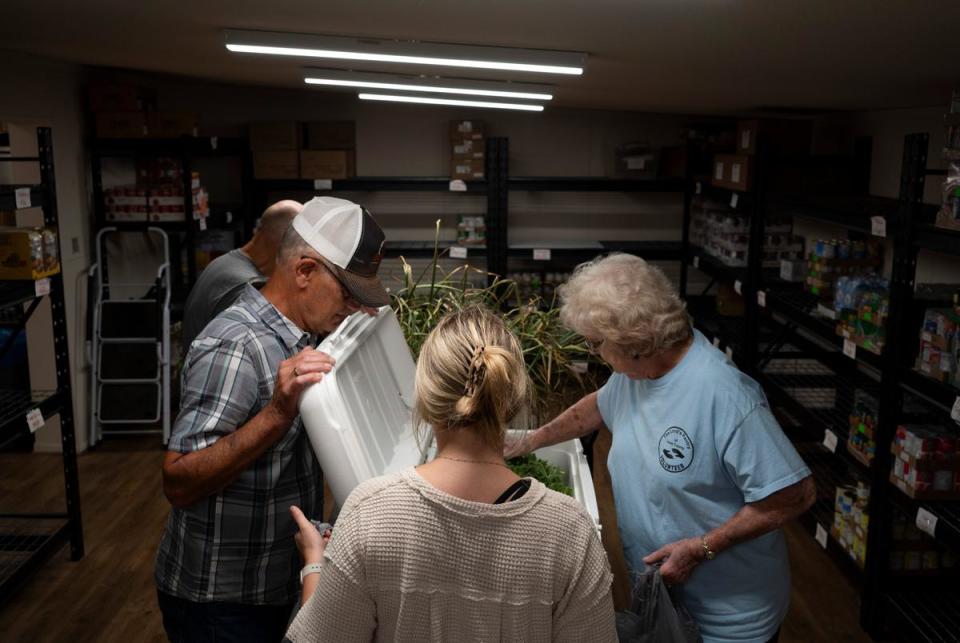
(219, 285)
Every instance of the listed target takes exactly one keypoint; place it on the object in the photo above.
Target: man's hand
(295, 374)
(514, 447)
(679, 560)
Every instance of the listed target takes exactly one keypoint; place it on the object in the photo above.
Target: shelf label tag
(955, 411)
(762, 298)
(926, 522)
(541, 254)
(830, 440)
(735, 172)
(458, 252)
(734, 200)
(34, 420)
(718, 172)
(738, 287)
(457, 185)
(22, 196)
(229, 216)
(821, 535)
(849, 349)
(696, 261)
(203, 223)
(878, 226)
(825, 311)
(698, 188)
(322, 184)
(42, 287)
(729, 353)
(716, 342)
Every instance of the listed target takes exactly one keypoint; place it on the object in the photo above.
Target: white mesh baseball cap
(350, 242)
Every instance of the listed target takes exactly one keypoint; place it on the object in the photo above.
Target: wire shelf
(932, 617)
(22, 538)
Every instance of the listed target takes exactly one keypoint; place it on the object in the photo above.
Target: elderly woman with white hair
(703, 476)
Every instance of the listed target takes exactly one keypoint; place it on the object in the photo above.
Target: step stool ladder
(129, 346)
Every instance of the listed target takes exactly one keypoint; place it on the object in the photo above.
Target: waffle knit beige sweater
(408, 562)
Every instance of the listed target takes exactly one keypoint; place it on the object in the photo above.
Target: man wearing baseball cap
(238, 456)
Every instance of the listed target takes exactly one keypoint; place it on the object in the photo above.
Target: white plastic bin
(358, 418)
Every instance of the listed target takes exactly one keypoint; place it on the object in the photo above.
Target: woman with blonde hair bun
(459, 548)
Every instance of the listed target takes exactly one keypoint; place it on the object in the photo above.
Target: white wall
(45, 92)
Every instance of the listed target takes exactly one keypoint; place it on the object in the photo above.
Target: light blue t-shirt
(689, 449)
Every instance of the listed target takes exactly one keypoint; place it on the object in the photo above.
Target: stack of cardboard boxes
(467, 150)
(18, 140)
(292, 150)
(157, 195)
(127, 111)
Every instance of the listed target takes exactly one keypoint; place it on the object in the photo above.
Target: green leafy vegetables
(530, 466)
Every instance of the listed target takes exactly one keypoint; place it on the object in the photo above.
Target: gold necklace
(446, 457)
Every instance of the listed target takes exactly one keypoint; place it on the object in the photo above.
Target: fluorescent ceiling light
(432, 85)
(428, 100)
(405, 51)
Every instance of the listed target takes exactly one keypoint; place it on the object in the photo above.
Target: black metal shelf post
(27, 540)
(498, 205)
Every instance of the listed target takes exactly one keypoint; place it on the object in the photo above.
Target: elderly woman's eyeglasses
(593, 345)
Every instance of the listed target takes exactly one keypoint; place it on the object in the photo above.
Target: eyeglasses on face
(344, 292)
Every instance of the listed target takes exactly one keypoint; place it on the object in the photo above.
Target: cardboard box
(467, 170)
(331, 135)
(28, 253)
(171, 124)
(121, 125)
(636, 160)
(468, 149)
(120, 97)
(275, 135)
(463, 130)
(731, 171)
(326, 164)
(276, 164)
(18, 140)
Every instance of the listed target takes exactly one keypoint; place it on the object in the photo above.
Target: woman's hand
(679, 560)
(310, 542)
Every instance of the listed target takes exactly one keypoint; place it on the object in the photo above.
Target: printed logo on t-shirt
(676, 450)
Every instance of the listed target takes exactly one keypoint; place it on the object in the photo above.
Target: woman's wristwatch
(708, 553)
(312, 568)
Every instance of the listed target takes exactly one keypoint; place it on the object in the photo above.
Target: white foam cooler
(359, 417)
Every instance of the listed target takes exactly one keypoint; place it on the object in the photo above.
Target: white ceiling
(645, 55)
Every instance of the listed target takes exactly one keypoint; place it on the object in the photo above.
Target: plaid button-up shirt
(237, 546)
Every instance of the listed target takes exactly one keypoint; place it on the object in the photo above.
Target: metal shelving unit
(807, 375)
(187, 149)
(28, 540)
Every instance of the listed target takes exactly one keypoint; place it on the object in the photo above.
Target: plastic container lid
(359, 417)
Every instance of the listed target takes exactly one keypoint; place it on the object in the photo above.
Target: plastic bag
(656, 615)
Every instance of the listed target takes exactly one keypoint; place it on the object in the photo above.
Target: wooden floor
(109, 596)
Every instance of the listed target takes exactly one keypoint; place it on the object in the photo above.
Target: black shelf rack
(187, 149)
(925, 617)
(27, 540)
(807, 339)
